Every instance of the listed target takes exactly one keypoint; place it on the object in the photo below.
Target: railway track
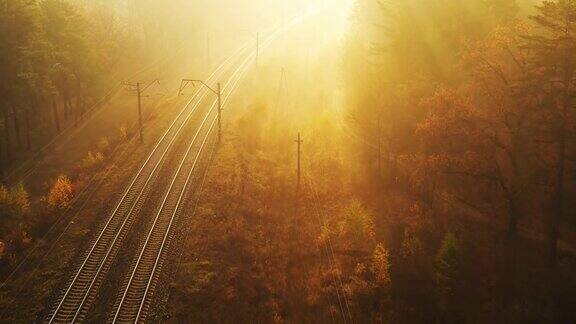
(134, 302)
(136, 296)
(79, 293)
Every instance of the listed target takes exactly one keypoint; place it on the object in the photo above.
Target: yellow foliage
(4, 196)
(20, 200)
(92, 159)
(381, 265)
(61, 194)
(358, 224)
(123, 130)
(14, 202)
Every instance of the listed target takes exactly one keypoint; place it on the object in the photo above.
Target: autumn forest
(263, 161)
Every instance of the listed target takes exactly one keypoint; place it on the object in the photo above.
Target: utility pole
(139, 91)
(299, 141)
(281, 86)
(217, 92)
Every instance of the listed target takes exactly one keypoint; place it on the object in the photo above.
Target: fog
(287, 161)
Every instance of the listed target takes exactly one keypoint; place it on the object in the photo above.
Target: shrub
(123, 130)
(447, 270)
(14, 203)
(357, 225)
(381, 266)
(61, 194)
(92, 159)
(103, 144)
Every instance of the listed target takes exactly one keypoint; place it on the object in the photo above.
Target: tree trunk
(33, 106)
(28, 140)
(559, 190)
(514, 216)
(66, 105)
(16, 125)
(1, 165)
(78, 100)
(513, 194)
(70, 110)
(7, 137)
(55, 112)
(558, 201)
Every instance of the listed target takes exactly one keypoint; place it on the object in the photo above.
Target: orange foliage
(61, 194)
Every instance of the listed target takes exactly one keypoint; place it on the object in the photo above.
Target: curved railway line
(79, 293)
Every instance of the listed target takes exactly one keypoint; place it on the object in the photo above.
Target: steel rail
(171, 187)
(152, 173)
(159, 254)
(199, 95)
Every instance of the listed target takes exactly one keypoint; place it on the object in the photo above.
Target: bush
(447, 271)
(61, 194)
(123, 130)
(381, 266)
(91, 160)
(14, 205)
(357, 225)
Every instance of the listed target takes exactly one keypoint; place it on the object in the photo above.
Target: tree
(60, 195)
(404, 51)
(54, 58)
(357, 226)
(14, 203)
(17, 26)
(554, 55)
(20, 200)
(447, 273)
(381, 266)
(494, 115)
(14, 208)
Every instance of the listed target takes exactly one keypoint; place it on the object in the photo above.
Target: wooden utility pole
(299, 141)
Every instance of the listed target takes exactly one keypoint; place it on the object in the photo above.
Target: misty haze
(275, 161)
